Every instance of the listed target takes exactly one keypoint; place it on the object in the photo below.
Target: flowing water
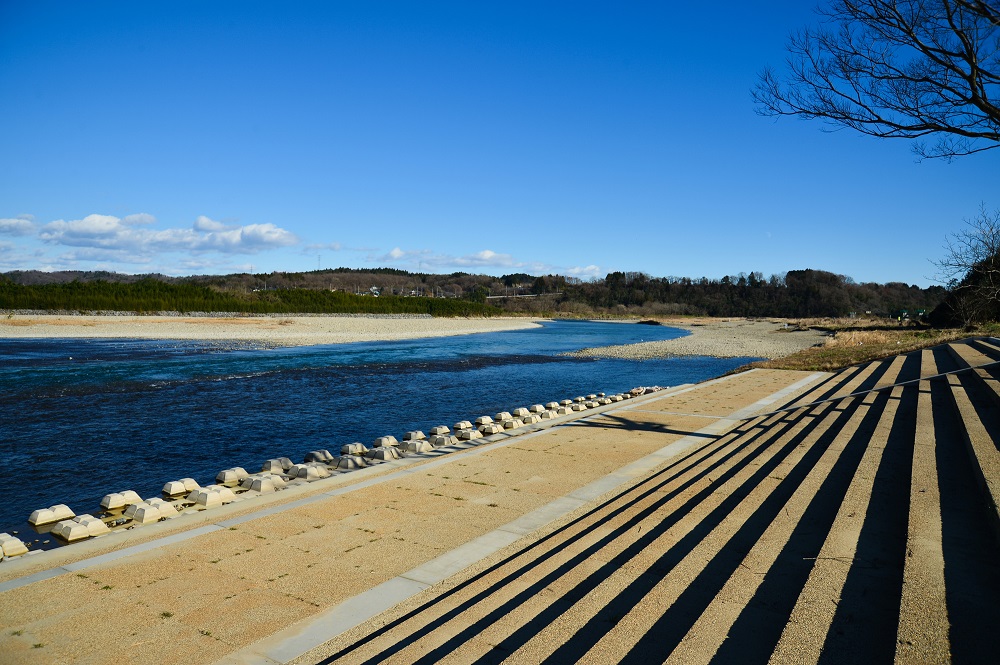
(80, 418)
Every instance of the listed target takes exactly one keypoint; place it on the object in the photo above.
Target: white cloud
(487, 257)
(131, 236)
(586, 271)
(203, 223)
(18, 226)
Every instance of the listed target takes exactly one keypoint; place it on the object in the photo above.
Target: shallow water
(82, 418)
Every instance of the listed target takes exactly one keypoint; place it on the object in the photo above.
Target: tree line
(796, 294)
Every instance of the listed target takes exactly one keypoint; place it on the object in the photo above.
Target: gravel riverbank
(719, 338)
(267, 331)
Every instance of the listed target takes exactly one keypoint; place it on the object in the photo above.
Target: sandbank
(268, 331)
(719, 338)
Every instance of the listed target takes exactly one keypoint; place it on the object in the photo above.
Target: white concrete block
(469, 434)
(174, 488)
(417, 446)
(483, 420)
(520, 412)
(95, 527)
(462, 424)
(502, 416)
(12, 545)
(385, 441)
(355, 448)
(439, 440)
(439, 430)
(536, 408)
(415, 435)
(70, 531)
(384, 453)
(350, 462)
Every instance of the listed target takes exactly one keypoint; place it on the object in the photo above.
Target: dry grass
(850, 347)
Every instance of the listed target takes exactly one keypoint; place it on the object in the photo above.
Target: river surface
(80, 418)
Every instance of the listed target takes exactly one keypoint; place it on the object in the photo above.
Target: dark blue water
(82, 418)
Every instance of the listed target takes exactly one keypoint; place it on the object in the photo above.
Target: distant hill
(798, 293)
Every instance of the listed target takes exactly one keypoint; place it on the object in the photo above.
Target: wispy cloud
(425, 259)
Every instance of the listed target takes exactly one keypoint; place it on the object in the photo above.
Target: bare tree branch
(897, 69)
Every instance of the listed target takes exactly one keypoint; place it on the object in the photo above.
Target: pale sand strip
(271, 331)
(721, 338)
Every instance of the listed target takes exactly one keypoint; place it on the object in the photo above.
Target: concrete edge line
(407, 466)
(312, 632)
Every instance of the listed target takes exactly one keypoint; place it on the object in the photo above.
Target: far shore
(723, 338)
(269, 331)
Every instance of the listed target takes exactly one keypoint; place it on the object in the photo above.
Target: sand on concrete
(720, 338)
(269, 331)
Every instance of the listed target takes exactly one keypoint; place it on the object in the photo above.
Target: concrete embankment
(770, 515)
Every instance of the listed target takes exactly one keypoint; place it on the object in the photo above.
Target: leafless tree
(897, 69)
(971, 268)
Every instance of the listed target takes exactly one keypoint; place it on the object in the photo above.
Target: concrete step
(816, 625)
(842, 528)
(980, 442)
(923, 612)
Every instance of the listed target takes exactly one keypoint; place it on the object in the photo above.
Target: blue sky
(565, 137)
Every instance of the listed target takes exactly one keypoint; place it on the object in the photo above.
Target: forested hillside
(798, 293)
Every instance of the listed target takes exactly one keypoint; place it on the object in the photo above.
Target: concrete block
(490, 428)
(206, 498)
(229, 477)
(520, 412)
(531, 419)
(564, 410)
(578, 407)
(272, 466)
(276, 480)
(536, 408)
(143, 513)
(512, 423)
(591, 404)
(502, 416)
(552, 406)
(323, 456)
(174, 488)
(70, 531)
(469, 434)
(462, 424)
(263, 485)
(95, 527)
(167, 509)
(439, 430)
(131, 496)
(356, 448)
(580, 400)
(483, 420)
(439, 440)
(566, 402)
(350, 462)
(385, 441)
(417, 446)
(592, 396)
(12, 545)
(384, 453)
(308, 472)
(415, 435)
(113, 501)
(56, 513)
(547, 415)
